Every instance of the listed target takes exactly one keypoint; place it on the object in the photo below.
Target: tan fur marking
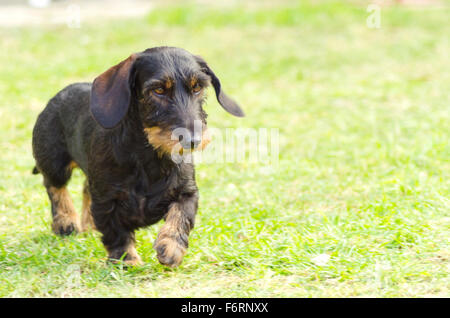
(132, 258)
(193, 81)
(160, 140)
(168, 83)
(170, 251)
(206, 139)
(65, 212)
(87, 222)
(73, 165)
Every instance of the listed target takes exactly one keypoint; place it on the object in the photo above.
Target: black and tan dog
(118, 130)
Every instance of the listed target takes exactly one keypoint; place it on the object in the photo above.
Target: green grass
(364, 165)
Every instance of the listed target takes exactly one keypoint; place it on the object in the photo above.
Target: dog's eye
(159, 91)
(197, 88)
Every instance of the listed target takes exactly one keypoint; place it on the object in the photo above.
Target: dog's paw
(127, 261)
(135, 261)
(65, 226)
(129, 257)
(169, 251)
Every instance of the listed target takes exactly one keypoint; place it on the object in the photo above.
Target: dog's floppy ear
(227, 103)
(111, 93)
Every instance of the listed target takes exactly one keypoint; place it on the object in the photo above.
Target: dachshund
(119, 130)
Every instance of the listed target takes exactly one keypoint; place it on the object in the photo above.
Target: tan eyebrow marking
(193, 81)
(168, 83)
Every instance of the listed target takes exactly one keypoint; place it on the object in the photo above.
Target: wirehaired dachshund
(119, 132)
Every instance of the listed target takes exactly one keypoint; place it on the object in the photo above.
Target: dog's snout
(195, 142)
(190, 141)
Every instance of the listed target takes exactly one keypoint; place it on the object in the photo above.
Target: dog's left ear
(226, 102)
(111, 93)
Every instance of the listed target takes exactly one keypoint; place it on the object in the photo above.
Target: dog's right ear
(111, 93)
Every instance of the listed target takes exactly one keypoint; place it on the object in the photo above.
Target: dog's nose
(190, 142)
(195, 141)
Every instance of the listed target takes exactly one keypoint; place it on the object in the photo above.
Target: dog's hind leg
(65, 218)
(56, 164)
(57, 171)
(56, 167)
(86, 219)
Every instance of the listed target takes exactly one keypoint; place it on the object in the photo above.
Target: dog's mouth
(171, 141)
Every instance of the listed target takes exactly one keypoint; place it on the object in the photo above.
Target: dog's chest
(148, 195)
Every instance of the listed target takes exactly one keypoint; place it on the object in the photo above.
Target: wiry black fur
(131, 184)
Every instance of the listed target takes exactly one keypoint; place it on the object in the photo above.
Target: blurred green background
(359, 202)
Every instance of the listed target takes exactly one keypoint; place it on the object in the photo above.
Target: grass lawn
(363, 178)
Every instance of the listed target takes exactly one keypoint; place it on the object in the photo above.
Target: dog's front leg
(118, 236)
(172, 240)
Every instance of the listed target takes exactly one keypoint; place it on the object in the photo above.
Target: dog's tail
(35, 170)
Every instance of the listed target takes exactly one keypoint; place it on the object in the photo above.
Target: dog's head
(165, 86)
